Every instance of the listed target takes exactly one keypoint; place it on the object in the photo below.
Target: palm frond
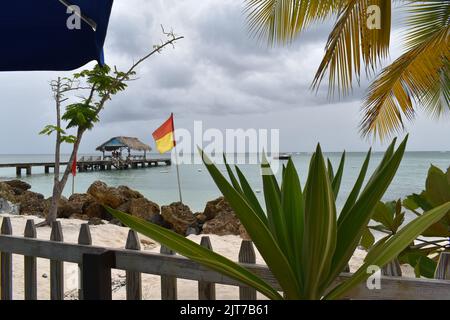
(420, 77)
(280, 21)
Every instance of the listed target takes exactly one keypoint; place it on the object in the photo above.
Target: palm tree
(419, 78)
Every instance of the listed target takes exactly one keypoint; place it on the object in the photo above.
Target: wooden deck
(94, 164)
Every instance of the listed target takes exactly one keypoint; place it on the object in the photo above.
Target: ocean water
(159, 184)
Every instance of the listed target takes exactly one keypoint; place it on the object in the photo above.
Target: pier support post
(29, 171)
(18, 171)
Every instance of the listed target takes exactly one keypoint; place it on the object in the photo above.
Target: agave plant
(389, 216)
(303, 241)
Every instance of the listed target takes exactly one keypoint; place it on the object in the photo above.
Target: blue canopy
(34, 34)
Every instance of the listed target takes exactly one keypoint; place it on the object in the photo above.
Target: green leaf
(351, 228)
(367, 239)
(294, 211)
(375, 250)
(330, 170)
(437, 187)
(356, 189)
(423, 266)
(384, 215)
(231, 175)
(195, 252)
(250, 196)
(319, 240)
(392, 248)
(410, 204)
(336, 182)
(277, 223)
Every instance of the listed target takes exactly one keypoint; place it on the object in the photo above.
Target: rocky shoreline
(217, 217)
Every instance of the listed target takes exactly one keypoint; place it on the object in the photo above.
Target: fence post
(168, 283)
(84, 238)
(56, 267)
(206, 290)
(30, 265)
(134, 279)
(247, 255)
(392, 269)
(443, 267)
(6, 264)
(97, 275)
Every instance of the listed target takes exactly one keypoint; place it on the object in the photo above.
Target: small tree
(101, 83)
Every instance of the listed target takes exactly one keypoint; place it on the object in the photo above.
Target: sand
(113, 236)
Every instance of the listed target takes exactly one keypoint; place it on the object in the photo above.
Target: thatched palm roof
(124, 142)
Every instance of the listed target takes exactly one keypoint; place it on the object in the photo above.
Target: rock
(192, 230)
(31, 203)
(223, 224)
(215, 207)
(79, 201)
(5, 206)
(243, 233)
(128, 193)
(116, 222)
(65, 208)
(79, 216)
(143, 208)
(18, 186)
(179, 216)
(105, 195)
(6, 192)
(96, 210)
(224, 221)
(125, 207)
(159, 220)
(201, 218)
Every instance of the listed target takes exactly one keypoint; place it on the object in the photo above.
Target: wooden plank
(247, 255)
(392, 269)
(400, 288)
(56, 267)
(206, 290)
(443, 267)
(46, 249)
(168, 283)
(176, 266)
(6, 276)
(30, 265)
(97, 275)
(133, 279)
(84, 238)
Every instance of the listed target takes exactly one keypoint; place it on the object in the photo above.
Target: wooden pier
(91, 164)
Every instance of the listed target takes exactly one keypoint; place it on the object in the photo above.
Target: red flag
(74, 166)
(164, 136)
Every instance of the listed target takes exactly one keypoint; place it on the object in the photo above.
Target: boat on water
(284, 156)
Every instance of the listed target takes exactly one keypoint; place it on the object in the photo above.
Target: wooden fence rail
(95, 264)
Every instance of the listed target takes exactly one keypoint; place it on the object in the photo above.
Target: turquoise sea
(159, 183)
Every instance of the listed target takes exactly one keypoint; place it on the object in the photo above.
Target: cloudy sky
(217, 74)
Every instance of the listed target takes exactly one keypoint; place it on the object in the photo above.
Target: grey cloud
(217, 73)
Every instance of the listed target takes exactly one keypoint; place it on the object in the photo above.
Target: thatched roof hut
(118, 143)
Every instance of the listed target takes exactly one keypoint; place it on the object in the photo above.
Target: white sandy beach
(113, 236)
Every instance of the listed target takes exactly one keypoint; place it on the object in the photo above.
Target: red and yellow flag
(164, 136)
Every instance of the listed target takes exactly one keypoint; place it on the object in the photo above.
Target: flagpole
(73, 184)
(178, 173)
